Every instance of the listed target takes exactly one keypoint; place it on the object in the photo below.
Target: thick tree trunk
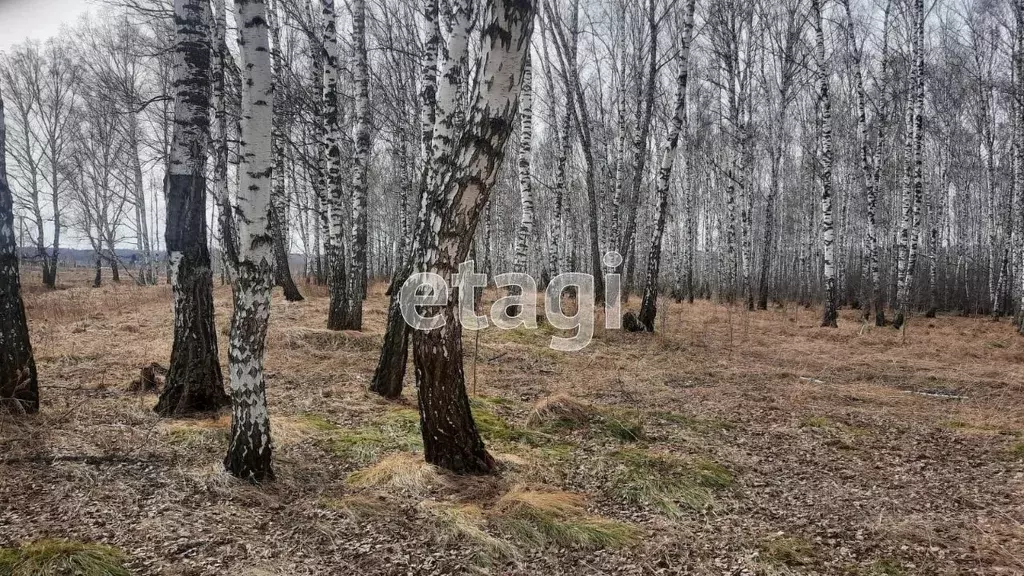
(249, 451)
(19, 385)
(194, 382)
(462, 174)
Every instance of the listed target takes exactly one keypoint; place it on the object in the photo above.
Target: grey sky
(36, 19)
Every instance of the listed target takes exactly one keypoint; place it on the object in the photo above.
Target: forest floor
(727, 443)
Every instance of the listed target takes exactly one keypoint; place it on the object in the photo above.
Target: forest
(755, 270)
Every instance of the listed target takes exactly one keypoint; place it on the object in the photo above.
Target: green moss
(494, 428)
(1017, 450)
(62, 558)
(316, 422)
(668, 484)
(788, 551)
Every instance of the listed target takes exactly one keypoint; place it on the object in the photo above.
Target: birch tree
(830, 315)
(464, 169)
(249, 452)
(677, 126)
(390, 372)
(360, 163)
(194, 381)
(337, 280)
(19, 385)
(279, 197)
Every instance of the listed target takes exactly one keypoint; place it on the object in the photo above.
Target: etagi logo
(428, 289)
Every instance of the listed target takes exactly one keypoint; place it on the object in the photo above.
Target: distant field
(727, 443)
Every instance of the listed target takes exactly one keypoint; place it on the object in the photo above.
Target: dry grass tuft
(525, 519)
(62, 558)
(465, 523)
(358, 507)
(788, 551)
(664, 482)
(556, 518)
(406, 472)
(559, 411)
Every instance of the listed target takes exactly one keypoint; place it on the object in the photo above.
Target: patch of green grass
(495, 428)
(666, 483)
(567, 528)
(1017, 450)
(62, 558)
(316, 422)
(695, 423)
(626, 430)
(396, 430)
(815, 422)
(526, 519)
(789, 551)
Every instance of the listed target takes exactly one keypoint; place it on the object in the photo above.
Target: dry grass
(720, 430)
(61, 558)
(560, 410)
(406, 472)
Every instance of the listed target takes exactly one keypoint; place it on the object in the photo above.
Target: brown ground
(839, 463)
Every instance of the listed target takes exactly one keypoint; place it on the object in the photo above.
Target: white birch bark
(525, 231)
(830, 315)
(677, 126)
(249, 452)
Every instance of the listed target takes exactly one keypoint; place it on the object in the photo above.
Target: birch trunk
(464, 170)
(279, 195)
(648, 305)
(337, 279)
(390, 371)
(525, 231)
(194, 382)
(830, 315)
(868, 169)
(914, 169)
(249, 451)
(19, 385)
(361, 158)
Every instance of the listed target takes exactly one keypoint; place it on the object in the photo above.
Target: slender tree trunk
(677, 126)
(361, 159)
(914, 168)
(830, 315)
(337, 279)
(525, 231)
(390, 371)
(279, 196)
(249, 451)
(194, 381)
(19, 385)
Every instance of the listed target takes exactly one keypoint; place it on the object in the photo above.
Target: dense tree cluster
(857, 153)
